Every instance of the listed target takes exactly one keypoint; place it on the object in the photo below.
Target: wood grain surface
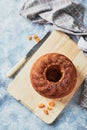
(22, 90)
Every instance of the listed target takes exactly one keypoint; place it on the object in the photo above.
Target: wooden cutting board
(22, 90)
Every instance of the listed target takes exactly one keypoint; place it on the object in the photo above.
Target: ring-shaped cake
(53, 75)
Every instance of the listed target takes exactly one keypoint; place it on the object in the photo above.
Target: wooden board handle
(16, 67)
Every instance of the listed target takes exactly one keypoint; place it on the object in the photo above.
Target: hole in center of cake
(53, 73)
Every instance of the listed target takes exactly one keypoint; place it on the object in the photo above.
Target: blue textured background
(13, 46)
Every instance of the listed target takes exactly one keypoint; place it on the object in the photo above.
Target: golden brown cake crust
(53, 75)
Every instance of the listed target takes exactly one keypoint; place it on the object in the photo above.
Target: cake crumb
(49, 108)
(29, 38)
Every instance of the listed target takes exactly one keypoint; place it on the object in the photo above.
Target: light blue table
(13, 46)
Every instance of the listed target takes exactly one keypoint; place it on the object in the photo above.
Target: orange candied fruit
(36, 38)
(51, 103)
(41, 105)
(45, 111)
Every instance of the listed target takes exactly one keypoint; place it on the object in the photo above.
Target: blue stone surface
(14, 44)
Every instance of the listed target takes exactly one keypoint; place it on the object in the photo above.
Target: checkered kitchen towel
(63, 15)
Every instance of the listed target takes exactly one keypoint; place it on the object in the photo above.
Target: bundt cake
(53, 75)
